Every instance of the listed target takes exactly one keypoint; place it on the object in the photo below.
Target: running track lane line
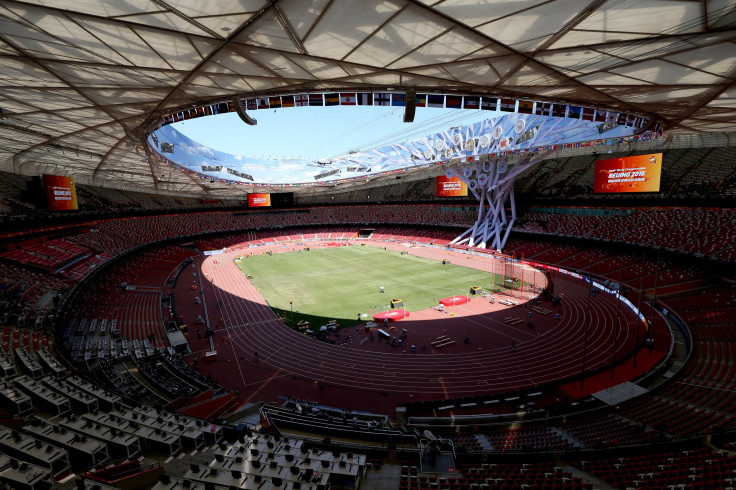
(250, 310)
(263, 385)
(232, 345)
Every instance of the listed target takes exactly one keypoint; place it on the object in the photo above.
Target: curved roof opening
(85, 82)
(295, 145)
(313, 146)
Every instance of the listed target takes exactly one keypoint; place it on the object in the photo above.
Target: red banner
(259, 200)
(61, 195)
(640, 173)
(453, 187)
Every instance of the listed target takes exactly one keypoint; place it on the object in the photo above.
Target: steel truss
(492, 183)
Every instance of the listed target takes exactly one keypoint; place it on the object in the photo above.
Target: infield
(341, 282)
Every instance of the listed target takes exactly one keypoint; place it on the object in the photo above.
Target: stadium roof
(83, 80)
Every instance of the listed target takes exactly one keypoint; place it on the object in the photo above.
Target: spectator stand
(23, 475)
(23, 447)
(312, 418)
(79, 400)
(83, 451)
(152, 438)
(105, 399)
(51, 401)
(19, 402)
(118, 443)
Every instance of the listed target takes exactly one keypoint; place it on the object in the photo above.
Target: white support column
(492, 184)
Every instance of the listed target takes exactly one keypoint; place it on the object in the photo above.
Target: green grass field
(340, 282)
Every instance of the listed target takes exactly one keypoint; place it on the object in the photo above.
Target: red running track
(374, 376)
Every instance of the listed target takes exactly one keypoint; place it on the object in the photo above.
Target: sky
(319, 145)
(320, 132)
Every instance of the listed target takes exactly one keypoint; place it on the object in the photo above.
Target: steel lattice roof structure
(84, 81)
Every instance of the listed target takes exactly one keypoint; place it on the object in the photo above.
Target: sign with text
(640, 173)
(61, 195)
(453, 187)
(259, 200)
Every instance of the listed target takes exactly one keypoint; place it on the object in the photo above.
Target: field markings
(444, 388)
(265, 339)
(264, 384)
(322, 275)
